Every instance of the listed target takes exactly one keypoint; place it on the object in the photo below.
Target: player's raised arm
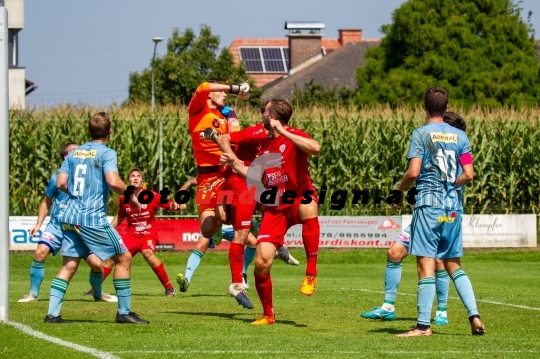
(233, 161)
(62, 182)
(306, 144)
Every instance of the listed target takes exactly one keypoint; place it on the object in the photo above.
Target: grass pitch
(205, 322)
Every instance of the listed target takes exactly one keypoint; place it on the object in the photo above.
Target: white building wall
(17, 89)
(15, 10)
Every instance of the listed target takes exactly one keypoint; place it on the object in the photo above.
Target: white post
(4, 168)
(160, 145)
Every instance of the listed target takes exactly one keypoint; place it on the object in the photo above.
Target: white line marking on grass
(478, 300)
(344, 352)
(36, 334)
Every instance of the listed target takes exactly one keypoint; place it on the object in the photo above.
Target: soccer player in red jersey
(297, 202)
(141, 236)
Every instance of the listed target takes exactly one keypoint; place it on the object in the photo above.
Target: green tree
(190, 60)
(481, 51)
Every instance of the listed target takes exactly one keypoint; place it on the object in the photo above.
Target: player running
(142, 236)
(292, 180)
(434, 154)
(397, 253)
(50, 240)
(87, 174)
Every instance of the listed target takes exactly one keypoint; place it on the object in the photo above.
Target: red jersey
(293, 174)
(141, 223)
(249, 143)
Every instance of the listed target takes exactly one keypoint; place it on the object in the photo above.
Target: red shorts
(277, 220)
(208, 186)
(136, 244)
(241, 213)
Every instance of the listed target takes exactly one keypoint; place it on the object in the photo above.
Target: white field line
(343, 352)
(478, 300)
(36, 334)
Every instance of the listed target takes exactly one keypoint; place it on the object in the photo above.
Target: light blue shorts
(436, 233)
(52, 237)
(404, 237)
(102, 240)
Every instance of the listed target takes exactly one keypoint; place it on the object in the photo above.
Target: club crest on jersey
(282, 148)
(143, 206)
(443, 137)
(85, 154)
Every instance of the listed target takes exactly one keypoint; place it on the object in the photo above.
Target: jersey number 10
(447, 159)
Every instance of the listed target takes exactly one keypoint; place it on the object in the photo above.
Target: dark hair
(136, 169)
(436, 101)
(263, 106)
(281, 109)
(99, 126)
(454, 120)
(64, 149)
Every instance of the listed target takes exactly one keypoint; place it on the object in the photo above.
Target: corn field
(360, 150)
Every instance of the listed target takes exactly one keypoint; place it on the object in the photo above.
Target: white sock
(388, 307)
(441, 313)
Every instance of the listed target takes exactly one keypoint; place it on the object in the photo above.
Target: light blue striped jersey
(86, 167)
(59, 198)
(440, 147)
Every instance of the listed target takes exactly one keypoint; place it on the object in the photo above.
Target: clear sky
(83, 51)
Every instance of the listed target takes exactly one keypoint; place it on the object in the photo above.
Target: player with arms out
(436, 231)
(204, 112)
(86, 175)
(397, 253)
(50, 240)
(297, 200)
(142, 235)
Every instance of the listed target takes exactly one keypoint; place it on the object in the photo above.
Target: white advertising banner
(496, 230)
(351, 232)
(19, 230)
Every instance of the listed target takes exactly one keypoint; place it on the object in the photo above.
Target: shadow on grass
(405, 329)
(233, 317)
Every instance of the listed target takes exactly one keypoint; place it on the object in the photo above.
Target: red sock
(106, 272)
(311, 232)
(236, 261)
(263, 283)
(162, 275)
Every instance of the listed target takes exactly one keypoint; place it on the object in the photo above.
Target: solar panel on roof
(273, 59)
(265, 59)
(252, 58)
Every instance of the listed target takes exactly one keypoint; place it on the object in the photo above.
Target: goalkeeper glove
(241, 90)
(209, 134)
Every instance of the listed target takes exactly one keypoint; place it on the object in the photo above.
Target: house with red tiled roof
(279, 64)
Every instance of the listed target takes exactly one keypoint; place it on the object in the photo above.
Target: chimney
(349, 35)
(304, 41)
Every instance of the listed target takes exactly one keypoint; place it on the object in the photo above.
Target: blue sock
(426, 294)
(392, 277)
(58, 289)
(37, 272)
(442, 282)
(192, 264)
(123, 292)
(249, 253)
(96, 280)
(465, 291)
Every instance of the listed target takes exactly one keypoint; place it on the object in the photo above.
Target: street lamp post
(156, 41)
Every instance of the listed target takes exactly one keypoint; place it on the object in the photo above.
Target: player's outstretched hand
(209, 134)
(398, 206)
(241, 90)
(34, 230)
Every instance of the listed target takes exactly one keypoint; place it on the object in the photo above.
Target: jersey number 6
(78, 184)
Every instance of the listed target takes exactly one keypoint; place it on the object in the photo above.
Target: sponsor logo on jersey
(85, 154)
(246, 223)
(282, 148)
(447, 219)
(443, 137)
